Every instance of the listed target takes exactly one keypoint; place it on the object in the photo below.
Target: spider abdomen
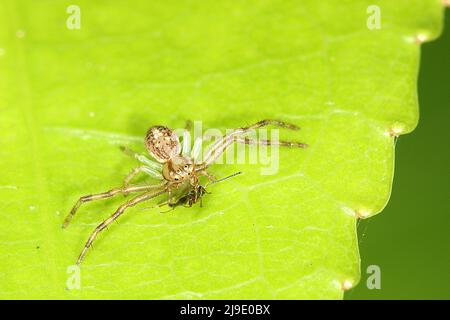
(162, 143)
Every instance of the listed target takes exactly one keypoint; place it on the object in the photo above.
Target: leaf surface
(69, 98)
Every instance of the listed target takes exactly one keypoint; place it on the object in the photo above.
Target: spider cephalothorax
(178, 169)
(175, 166)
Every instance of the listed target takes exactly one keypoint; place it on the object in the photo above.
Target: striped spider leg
(220, 146)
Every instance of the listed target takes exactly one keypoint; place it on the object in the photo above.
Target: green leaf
(69, 98)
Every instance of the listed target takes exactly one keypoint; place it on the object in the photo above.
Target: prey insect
(174, 168)
(194, 195)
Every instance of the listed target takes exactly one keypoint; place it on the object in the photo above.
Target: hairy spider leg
(149, 171)
(221, 145)
(196, 149)
(186, 147)
(247, 140)
(104, 195)
(143, 159)
(114, 216)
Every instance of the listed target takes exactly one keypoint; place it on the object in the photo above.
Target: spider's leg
(141, 158)
(246, 140)
(114, 216)
(186, 146)
(221, 145)
(104, 195)
(254, 126)
(196, 149)
(150, 171)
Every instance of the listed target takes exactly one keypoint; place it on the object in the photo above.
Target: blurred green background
(410, 239)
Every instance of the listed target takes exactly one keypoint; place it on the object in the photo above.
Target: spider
(173, 169)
